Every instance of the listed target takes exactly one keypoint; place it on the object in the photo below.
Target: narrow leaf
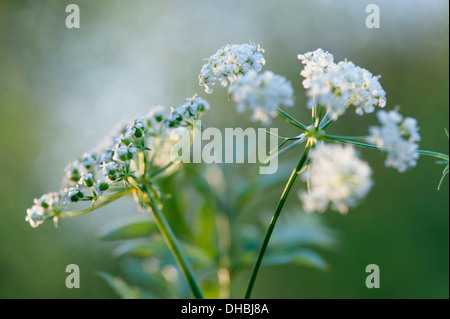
(291, 120)
(130, 230)
(120, 286)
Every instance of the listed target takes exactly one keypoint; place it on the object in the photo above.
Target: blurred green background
(62, 89)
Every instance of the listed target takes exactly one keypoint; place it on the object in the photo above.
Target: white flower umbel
(337, 178)
(398, 137)
(337, 86)
(119, 158)
(262, 93)
(230, 61)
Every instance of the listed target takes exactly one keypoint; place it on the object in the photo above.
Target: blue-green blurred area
(62, 90)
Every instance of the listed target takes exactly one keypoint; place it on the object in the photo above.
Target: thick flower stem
(273, 222)
(173, 244)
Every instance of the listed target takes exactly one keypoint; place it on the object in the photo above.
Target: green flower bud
(159, 117)
(126, 141)
(89, 182)
(103, 186)
(137, 133)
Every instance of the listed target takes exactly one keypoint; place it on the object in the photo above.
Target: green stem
(173, 244)
(161, 169)
(108, 199)
(273, 222)
(433, 154)
(354, 141)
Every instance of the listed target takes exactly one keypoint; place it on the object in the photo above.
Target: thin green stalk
(291, 120)
(433, 154)
(108, 199)
(348, 140)
(273, 222)
(173, 244)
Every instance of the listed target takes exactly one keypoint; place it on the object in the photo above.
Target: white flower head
(398, 137)
(337, 177)
(337, 86)
(262, 93)
(35, 215)
(73, 173)
(124, 150)
(230, 61)
(49, 200)
(193, 106)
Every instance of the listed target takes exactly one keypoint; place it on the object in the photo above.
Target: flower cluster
(231, 60)
(337, 86)
(44, 208)
(261, 92)
(398, 137)
(337, 177)
(191, 109)
(134, 150)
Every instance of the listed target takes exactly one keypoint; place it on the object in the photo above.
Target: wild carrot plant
(138, 157)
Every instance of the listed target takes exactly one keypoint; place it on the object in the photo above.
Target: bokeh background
(62, 89)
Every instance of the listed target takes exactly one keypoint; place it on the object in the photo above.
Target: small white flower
(109, 167)
(337, 86)
(398, 137)
(35, 215)
(193, 106)
(110, 170)
(262, 93)
(101, 186)
(74, 194)
(86, 179)
(73, 173)
(175, 117)
(230, 61)
(104, 157)
(48, 200)
(337, 178)
(136, 128)
(124, 152)
(315, 61)
(89, 160)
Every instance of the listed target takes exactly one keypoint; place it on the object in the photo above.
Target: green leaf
(301, 257)
(205, 232)
(197, 255)
(140, 248)
(120, 286)
(298, 229)
(130, 230)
